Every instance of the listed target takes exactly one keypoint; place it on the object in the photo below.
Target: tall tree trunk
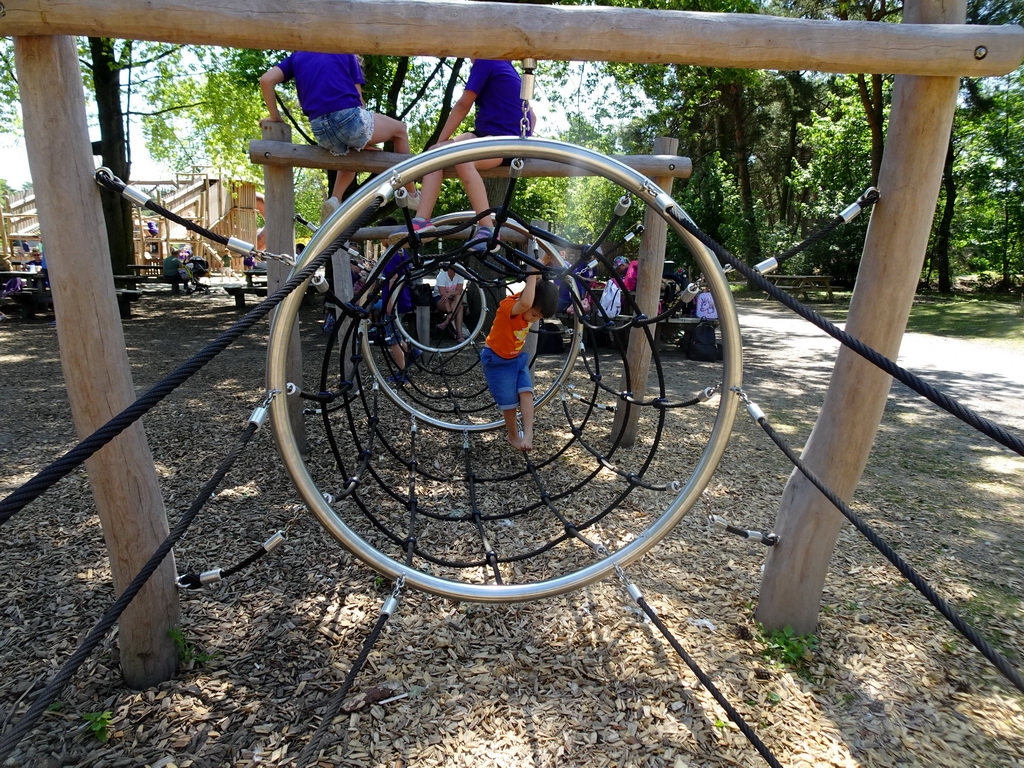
(873, 101)
(113, 150)
(940, 254)
(751, 242)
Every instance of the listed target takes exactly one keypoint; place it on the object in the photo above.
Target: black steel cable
(52, 690)
(706, 681)
(306, 757)
(50, 475)
(916, 383)
(922, 586)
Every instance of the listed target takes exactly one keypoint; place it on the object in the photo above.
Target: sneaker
(417, 353)
(414, 201)
(478, 242)
(331, 204)
(399, 378)
(418, 223)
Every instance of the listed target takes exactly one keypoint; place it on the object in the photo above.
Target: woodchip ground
(577, 680)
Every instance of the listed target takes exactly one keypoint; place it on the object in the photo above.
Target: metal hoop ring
(471, 151)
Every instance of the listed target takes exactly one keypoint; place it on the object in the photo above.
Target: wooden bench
(32, 300)
(799, 285)
(240, 291)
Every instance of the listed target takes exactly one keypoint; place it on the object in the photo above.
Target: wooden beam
(508, 31)
(93, 355)
(307, 156)
(840, 443)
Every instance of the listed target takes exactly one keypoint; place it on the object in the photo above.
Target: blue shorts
(392, 334)
(346, 129)
(506, 378)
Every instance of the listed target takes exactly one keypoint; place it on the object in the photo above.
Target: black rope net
(408, 448)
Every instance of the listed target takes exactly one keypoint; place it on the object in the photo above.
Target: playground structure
(224, 206)
(918, 128)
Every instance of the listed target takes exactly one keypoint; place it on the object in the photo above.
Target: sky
(14, 161)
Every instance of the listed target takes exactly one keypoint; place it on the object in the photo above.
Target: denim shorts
(506, 378)
(392, 334)
(346, 129)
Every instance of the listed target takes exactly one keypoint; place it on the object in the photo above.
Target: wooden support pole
(280, 230)
(648, 293)
(373, 161)
(92, 347)
(838, 447)
(491, 30)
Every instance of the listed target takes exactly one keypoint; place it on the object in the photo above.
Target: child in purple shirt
(330, 93)
(494, 86)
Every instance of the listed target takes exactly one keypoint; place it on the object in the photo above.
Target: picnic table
(254, 277)
(130, 281)
(799, 285)
(32, 279)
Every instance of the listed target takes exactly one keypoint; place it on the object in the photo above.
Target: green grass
(996, 320)
(973, 318)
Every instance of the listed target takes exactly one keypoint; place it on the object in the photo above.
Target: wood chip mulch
(577, 680)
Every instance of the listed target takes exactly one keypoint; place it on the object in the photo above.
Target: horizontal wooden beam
(279, 153)
(514, 31)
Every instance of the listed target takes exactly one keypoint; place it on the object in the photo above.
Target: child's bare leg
(398, 355)
(512, 429)
(469, 173)
(526, 412)
(341, 181)
(459, 309)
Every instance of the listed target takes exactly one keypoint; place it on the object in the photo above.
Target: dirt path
(571, 681)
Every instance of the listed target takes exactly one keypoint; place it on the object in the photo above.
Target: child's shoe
(331, 204)
(418, 223)
(414, 201)
(478, 242)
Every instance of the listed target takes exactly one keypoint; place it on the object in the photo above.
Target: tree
(111, 66)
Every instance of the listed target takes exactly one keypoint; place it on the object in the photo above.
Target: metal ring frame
(396, 397)
(470, 151)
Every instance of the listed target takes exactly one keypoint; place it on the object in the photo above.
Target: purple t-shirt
(499, 110)
(398, 264)
(326, 82)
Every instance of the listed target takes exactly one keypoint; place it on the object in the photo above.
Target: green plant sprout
(786, 648)
(187, 650)
(98, 724)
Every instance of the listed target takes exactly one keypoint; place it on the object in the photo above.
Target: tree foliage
(775, 154)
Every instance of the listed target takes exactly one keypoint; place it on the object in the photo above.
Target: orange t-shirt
(508, 333)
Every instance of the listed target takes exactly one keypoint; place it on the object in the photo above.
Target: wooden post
(344, 289)
(92, 347)
(838, 447)
(648, 294)
(280, 229)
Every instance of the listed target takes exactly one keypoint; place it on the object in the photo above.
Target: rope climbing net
(412, 471)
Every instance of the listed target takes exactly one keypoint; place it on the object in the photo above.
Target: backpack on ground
(703, 343)
(549, 339)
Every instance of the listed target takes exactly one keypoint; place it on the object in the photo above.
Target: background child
(506, 369)
(330, 90)
(494, 87)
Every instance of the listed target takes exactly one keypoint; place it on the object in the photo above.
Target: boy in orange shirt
(506, 369)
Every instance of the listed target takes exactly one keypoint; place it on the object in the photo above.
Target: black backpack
(703, 344)
(549, 339)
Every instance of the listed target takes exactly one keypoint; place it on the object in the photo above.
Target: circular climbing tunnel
(409, 465)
